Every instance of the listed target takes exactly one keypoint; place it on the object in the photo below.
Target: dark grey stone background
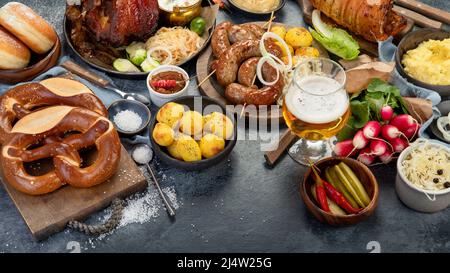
(240, 205)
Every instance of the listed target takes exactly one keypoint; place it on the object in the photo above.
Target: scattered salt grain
(127, 120)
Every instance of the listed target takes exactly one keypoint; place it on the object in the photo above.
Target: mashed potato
(429, 62)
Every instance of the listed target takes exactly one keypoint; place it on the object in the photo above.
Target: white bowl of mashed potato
(423, 58)
(258, 7)
(423, 176)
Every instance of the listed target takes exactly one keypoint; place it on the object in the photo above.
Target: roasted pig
(374, 20)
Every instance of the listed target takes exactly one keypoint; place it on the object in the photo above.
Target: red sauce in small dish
(168, 82)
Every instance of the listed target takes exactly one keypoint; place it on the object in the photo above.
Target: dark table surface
(239, 205)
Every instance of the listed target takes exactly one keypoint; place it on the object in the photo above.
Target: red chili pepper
(339, 199)
(166, 84)
(219, 2)
(320, 191)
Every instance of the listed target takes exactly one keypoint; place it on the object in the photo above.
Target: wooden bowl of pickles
(340, 191)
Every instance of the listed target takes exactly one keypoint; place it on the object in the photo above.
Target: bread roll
(13, 53)
(28, 26)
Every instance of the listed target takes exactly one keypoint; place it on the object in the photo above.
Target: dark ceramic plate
(242, 9)
(444, 107)
(411, 41)
(132, 105)
(205, 103)
(109, 69)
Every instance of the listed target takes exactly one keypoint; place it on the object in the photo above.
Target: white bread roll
(13, 53)
(28, 26)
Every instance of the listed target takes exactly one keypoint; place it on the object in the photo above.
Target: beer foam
(319, 104)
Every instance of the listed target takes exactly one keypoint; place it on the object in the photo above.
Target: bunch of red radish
(380, 140)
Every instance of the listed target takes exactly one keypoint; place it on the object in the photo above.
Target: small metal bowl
(412, 41)
(135, 106)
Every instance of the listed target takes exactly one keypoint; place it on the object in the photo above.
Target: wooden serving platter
(366, 46)
(211, 88)
(50, 213)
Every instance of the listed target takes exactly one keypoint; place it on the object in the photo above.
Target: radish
(412, 131)
(372, 129)
(399, 144)
(386, 113)
(378, 147)
(345, 148)
(359, 140)
(386, 157)
(403, 122)
(390, 132)
(366, 157)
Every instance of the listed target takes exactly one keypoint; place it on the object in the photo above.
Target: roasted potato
(191, 123)
(188, 148)
(170, 113)
(219, 125)
(210, 145)
(163, 134)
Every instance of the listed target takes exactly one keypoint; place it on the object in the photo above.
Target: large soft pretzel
(43, 134)
(23, 99)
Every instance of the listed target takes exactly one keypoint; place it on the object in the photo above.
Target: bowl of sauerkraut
(423, 176)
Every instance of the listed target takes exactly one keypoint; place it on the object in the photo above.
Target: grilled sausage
(230, 61)
(267, 95)
(247, 71)
(219, 39)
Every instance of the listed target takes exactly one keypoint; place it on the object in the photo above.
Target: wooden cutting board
(50, 213)
(366, 46)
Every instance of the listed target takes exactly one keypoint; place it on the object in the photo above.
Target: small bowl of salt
(129, 117)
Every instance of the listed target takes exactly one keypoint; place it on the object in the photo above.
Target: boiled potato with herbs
(219, 125)
(298, 36)
(163, 134)
(211, 145)
(283, 49)
(188, 149)
(170, 113)
(191, 123)
(279, 30)
(173, 150)
(307, 52)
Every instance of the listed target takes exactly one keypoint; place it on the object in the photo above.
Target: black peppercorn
(436, 180)
(440, 172)
(447, 184)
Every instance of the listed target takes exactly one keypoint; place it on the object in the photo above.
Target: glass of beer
(315, 108)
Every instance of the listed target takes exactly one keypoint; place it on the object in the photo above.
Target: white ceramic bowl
(416, 198)
(159, 99)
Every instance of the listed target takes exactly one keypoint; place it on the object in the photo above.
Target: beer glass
(315, 108)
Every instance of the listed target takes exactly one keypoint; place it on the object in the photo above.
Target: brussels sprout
(124, 65)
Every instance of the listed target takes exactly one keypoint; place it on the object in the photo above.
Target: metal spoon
(132, 96)
(166, 201)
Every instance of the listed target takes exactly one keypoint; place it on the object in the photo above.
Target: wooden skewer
(267, 23)
(272, 17)
(206, 78)
(242, 111)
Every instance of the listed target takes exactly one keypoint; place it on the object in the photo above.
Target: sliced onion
(264, 53)
(441, 123)
(168, 60)
(270, 61)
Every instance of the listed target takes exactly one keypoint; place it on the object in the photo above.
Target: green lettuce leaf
(335, 40)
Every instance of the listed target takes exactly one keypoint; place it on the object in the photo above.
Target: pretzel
(23, 99)
(47, 128)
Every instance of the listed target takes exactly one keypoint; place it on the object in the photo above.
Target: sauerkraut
(427, 167)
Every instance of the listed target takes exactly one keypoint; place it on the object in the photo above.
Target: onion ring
(264, 53)
(168, 60)
(270, 61)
